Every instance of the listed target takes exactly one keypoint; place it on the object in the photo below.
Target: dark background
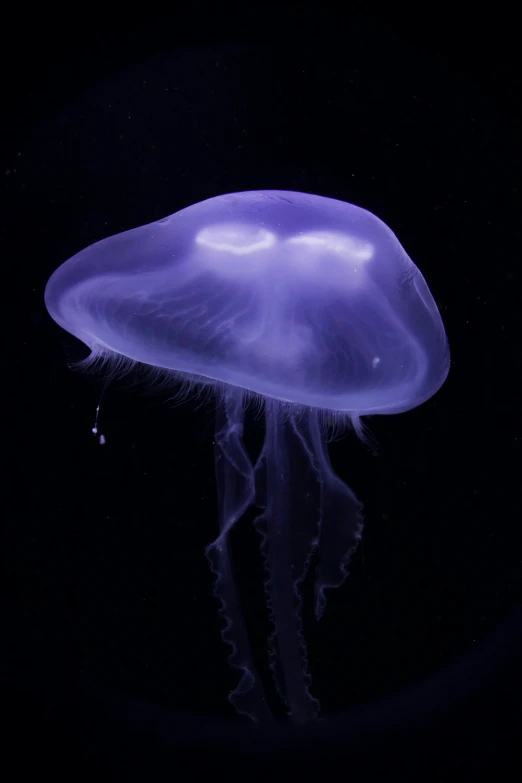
(111, 653)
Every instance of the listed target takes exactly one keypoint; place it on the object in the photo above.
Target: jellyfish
(309, 307)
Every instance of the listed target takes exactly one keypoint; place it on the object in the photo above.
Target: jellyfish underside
(306, 303)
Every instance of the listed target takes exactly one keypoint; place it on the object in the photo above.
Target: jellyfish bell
(288, 295)
(312, 305)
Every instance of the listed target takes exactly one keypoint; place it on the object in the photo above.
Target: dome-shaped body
(289, 295)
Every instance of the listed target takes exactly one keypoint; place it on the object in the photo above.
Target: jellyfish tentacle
(288, 527)
(342, 522)
(236, 488)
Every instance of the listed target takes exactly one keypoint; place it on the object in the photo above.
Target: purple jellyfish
(306, 304)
